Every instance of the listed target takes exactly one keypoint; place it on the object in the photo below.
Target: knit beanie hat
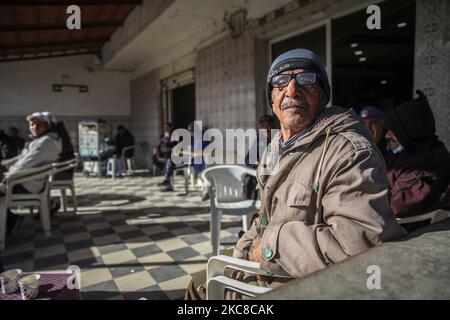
(298, 59)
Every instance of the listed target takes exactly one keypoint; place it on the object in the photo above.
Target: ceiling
(178, 31)
(31, 29)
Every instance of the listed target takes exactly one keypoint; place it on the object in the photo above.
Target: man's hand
(255, 254)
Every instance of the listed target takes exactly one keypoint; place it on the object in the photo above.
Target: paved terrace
(130, 239)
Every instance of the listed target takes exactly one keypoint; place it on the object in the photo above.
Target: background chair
(63, 185)
(227, 197)
(120, 165)
(130, 163)
(40, 200)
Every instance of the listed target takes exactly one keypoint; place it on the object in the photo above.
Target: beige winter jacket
(327, 201)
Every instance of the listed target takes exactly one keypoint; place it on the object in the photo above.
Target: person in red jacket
(418, 162)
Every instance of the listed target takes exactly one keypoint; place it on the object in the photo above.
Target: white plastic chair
(8, 162)
(227, 197)
(63, 185)
(434, 216)
(217, 283)
(129, 161)
(120, 165)
(115, 166)
(40, 200)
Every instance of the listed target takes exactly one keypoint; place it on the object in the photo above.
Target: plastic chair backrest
(30, 174)
(44, 173)
(126, 149)
(227, 181)
(65, 165)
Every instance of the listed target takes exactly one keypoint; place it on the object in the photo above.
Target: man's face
(375, 126)
(38, 127)
(392, 141)
(167, 128)
(296, 106)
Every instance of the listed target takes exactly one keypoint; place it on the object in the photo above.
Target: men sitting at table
(418, 162)
(44, 148)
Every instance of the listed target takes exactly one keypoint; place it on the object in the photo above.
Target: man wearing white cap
(44, 148)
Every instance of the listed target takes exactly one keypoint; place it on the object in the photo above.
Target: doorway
(183, 106)
(374, 67)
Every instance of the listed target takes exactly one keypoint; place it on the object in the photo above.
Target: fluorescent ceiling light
(353, 45)
(401, 24)
(358, 53)
(383, 82)
(362, 59)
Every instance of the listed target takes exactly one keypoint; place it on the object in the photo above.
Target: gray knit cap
(298, 59)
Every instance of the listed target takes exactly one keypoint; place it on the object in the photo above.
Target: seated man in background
(163, 155)
(418, 163)
(122, 140)
(44, 148)
(266, 123)
(19, 142)
(67, 151)
(373, 118)
(323, 186)
(8, 149)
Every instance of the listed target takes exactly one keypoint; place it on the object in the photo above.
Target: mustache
(289, 103)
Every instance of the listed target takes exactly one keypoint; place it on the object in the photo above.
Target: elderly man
(324, 191)
(44, 148)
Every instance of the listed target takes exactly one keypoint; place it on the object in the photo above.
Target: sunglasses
(302, 79)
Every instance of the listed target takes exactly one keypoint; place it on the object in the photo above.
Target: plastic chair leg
(45, 216)
(74, 198)
(64, 200)
(216, 217)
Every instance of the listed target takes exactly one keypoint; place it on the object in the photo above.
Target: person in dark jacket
(8, 148)
(67, 152)
(122, 140)
(19, 142)
(418, 163)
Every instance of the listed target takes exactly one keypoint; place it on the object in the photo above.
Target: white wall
(26, 86)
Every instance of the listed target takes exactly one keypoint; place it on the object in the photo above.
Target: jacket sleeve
(356, 216)
(37, 155)
(246, 241)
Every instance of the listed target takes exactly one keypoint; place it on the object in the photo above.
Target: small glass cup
(9, 280)
(29, 286)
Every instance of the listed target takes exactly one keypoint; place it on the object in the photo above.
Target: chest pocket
(294, 201)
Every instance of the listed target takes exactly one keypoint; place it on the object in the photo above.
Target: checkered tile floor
(130, 239)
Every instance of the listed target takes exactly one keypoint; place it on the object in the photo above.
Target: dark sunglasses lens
(305, 79)
(281, 80)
